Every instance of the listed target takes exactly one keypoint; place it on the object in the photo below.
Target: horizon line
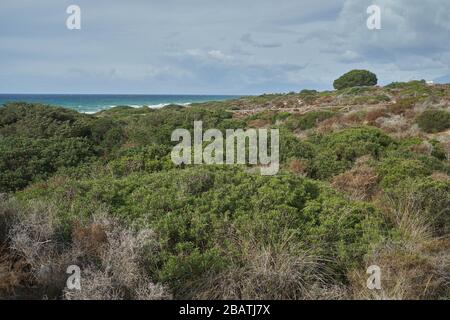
(129, 94)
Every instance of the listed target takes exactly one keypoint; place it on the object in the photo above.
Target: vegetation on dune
(364, 180)
(433, 121)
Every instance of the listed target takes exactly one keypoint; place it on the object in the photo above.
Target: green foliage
(349, 229)
(195, 211)
(39, 140)
(400, 164)
(309, 96)
(39, 121)
(355, 78)
(337, 151)
(117, 163)
(308, 120)
(432, 121)
(395, 170)
(142, 159)
(438, 150)
(23, 160)
(292, 147)
(412, 88)
(415, 84)
(156, 127)
(429, 197)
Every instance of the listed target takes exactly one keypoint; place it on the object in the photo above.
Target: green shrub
(337, 151)
(412, 88)
(395, 170)
(355, 78)
(198, 213)
(432, 121)
(23, 160)
(308, 120)
(292, 147)
(142, 159)
(348, 229)
(41, 121)
(430, 198)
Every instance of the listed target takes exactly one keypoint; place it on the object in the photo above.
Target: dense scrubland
(364, 181)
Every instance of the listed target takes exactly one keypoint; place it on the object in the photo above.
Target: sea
(92, 103)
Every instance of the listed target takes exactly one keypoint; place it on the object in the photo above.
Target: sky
(217, 47)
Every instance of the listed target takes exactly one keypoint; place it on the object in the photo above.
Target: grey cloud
(248, 39)
(202, 46)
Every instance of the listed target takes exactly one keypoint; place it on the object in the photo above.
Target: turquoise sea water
(91, 103)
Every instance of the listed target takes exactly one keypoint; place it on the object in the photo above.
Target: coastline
(93, 103)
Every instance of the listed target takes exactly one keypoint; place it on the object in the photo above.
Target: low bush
(395, 170)
(337, 151)
(433, 121)
(403, 105)
(359, 183)
(24, 160)
(308, 120)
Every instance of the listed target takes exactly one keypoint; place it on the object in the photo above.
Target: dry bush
(423, 148)
(373, 115)
(89, 239)
(298, 167)
(359, 183)
(120, 272)
(397, 123)
(34, 240)
(34, 234)
(411, 131)
(262, 273)
(11, 268)
(403, 105)
(329, 125)
(440, 176)
(259, 123)
(410, 114)
(351, 118)
(34, 257)
(11, 273)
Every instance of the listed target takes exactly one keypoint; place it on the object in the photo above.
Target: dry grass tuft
(397, 123)
(440, 176)
(259, 123)
(423, 148)
(359, 183)
(373, 115)
(271, 273)
(416, 266)
(298, 167)
(409, 270)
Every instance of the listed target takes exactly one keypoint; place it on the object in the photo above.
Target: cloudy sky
(217, 47)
